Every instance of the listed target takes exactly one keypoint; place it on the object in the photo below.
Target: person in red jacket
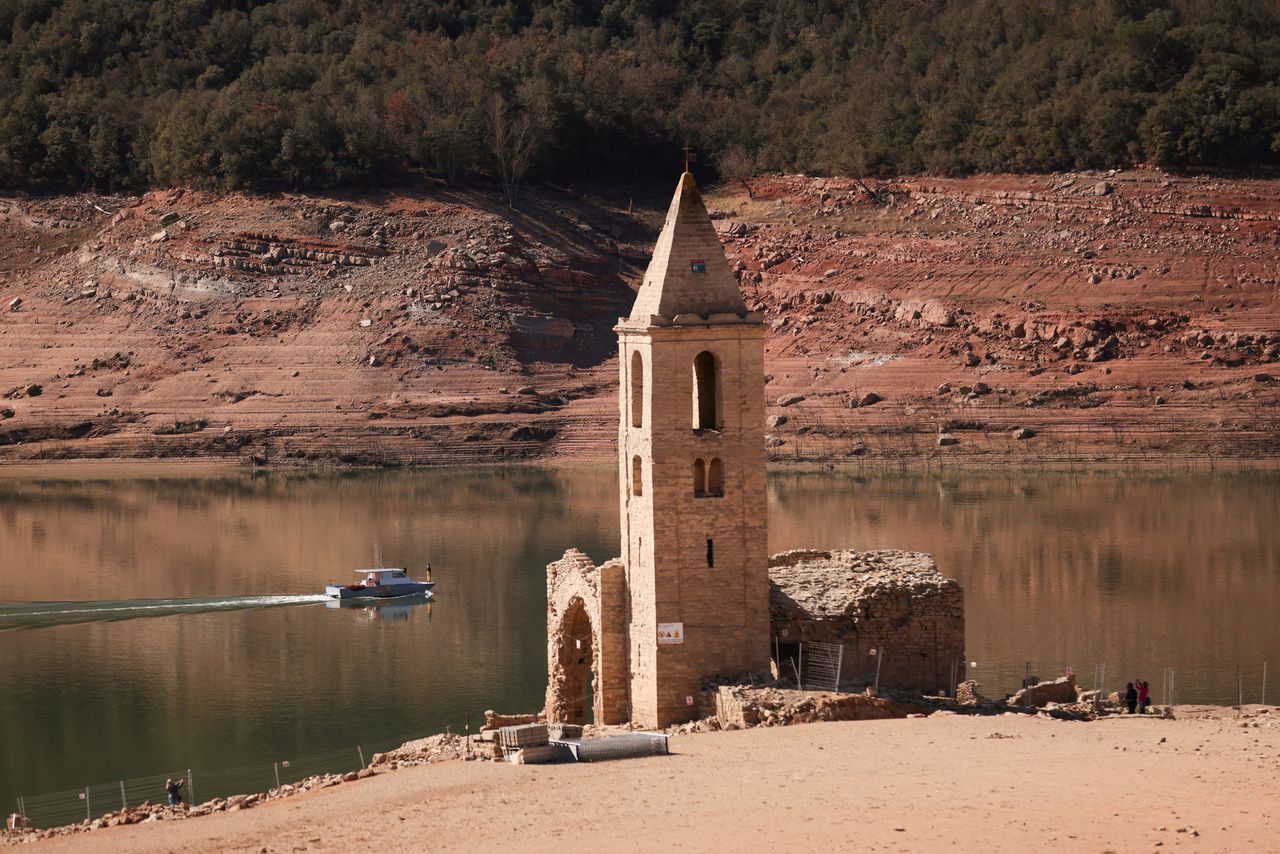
(1144, 695)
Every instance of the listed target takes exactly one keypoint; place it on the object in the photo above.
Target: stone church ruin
(694, 596)
(897, 620)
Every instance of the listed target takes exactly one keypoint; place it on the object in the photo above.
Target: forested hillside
(109, 94)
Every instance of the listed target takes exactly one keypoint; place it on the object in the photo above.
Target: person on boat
(428, 570)
(369, 582)
(174, 791)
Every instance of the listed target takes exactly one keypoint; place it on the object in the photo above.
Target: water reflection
(402, 608)
(1141, 571)
(1137, 570)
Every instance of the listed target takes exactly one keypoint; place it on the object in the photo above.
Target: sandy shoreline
(1205, 782)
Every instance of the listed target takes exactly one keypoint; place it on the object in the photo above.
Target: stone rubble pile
(1062, 691)
(836, 583)
(741, 707)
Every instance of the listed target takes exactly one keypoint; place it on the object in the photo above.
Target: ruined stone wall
(893, 602)
(586, 641)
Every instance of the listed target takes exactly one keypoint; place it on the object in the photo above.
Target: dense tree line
(109, 94)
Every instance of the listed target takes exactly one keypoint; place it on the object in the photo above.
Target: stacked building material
(524, 735)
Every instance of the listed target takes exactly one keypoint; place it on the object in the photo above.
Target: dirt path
(943, 783)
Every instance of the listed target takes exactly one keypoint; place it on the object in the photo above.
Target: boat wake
(39, 615)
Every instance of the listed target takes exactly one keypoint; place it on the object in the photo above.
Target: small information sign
(670, 633)
(698, 266)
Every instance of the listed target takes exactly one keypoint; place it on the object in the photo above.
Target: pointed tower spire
(688, 274)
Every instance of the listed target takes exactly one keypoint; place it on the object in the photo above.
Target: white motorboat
(380, 584)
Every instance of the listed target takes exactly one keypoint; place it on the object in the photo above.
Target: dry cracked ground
(1069, 317)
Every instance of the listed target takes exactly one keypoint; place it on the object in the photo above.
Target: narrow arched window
(715, 477)
(637, 390)
(699, 478)
(637, 477)
(706, 392)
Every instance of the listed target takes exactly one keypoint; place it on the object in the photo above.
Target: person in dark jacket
(173, 788)
(1131, 698)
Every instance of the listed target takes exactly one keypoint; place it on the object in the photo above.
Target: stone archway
(574, 672)
(587, 666)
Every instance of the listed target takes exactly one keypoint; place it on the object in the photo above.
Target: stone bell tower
(691, 471)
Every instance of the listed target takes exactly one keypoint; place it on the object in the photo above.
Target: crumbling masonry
(891, 611)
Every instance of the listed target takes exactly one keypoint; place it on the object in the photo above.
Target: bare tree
(513, 137)
(738, 164)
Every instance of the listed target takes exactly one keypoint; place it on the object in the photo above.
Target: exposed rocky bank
(1127, 316)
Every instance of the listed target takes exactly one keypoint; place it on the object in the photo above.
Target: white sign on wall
(670, 632)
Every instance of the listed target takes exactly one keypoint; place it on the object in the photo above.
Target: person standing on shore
(1131, 698)
(1144, 696)
(174, 791)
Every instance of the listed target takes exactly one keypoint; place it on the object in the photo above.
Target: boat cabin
(379, 577)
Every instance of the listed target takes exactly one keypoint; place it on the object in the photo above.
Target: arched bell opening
(706, 392)
(637, 390)
(715, 477)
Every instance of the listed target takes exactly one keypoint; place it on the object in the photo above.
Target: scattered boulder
(945, 439)
(1024, 433)
(790, 399)
(1061, 690)
(533, 433)
(544, 331)
(496, 720)
(15, 304)
(869, 399)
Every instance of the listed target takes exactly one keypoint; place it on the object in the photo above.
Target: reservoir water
(155, 618)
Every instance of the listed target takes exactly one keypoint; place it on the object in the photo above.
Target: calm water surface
(234, 665)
